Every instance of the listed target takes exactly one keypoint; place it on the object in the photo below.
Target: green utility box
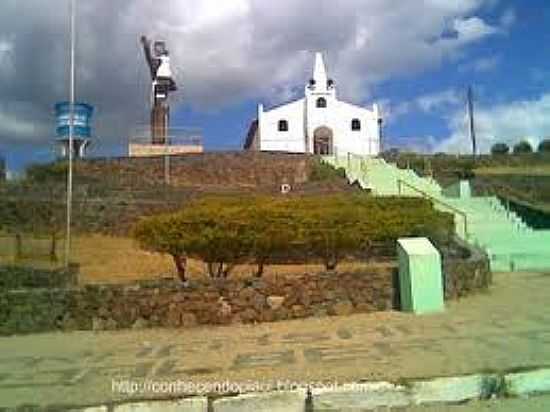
(420, 277)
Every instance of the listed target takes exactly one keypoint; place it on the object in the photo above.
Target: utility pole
(471, 124)
(71, 135)
(380, 135)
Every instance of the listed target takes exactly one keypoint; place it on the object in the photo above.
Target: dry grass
(101, 258)
(35, 251)
(107, 259)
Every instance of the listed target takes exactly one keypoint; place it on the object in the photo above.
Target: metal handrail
(425, 194)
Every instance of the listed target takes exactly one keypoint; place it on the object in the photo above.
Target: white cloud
(484, 64)
(392, 111)
(509, 123)
(7, 63)
(419, 144)
(439, 101)
(225, 52)
(472, 29)
(22, 121)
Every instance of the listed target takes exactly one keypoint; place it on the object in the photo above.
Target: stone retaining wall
(16, 277)
(464, 276)
(223, 169)
(167, 304)
(217, 302)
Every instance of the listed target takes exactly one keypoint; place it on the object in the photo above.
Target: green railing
(401, 182)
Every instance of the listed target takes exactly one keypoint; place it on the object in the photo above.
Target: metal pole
(71, 135)
(166, 153)
(471, 124)
(166, 163)
(380, 135)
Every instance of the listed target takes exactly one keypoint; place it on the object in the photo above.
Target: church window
(321, 102)
(356, 124)
(283, 125)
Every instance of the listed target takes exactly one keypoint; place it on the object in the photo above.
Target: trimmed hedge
(227, 231)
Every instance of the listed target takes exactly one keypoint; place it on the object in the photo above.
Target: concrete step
(511, 244)
(512, 262)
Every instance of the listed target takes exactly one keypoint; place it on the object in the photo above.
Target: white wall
(271, 139)
(338, 116)
(364, 141)
(304, 116)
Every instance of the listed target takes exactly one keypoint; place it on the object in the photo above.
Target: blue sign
(82, 118)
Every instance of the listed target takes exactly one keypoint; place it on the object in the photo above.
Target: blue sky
(416, 61)
(501, 70)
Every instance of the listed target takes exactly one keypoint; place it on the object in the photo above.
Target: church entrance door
(322, 141)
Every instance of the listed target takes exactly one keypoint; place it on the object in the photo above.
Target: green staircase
(484, 221)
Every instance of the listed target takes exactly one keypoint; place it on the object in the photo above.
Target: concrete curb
(195, 404)
(182, 405)
(527, 383)
(283, 401)
(362, 396)
(357, 396)
(454, 389)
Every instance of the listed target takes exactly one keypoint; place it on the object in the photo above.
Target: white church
(319, 123)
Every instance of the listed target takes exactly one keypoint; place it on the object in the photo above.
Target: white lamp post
(71, 134)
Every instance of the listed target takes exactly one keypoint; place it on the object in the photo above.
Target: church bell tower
(320, 102)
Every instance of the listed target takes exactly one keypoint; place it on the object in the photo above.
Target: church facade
(319, 123)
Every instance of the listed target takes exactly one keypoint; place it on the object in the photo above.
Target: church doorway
(322, 141)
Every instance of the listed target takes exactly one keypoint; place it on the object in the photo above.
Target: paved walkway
(504, 329)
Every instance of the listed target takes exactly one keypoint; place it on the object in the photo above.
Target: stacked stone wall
(206, 170)
(217, 302)
(17, 277)
(209, 302)
(468, 274)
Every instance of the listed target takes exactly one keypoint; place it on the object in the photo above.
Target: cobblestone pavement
(507, 328)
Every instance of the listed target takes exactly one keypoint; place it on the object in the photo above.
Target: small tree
(15, 219)
(500, 149)
(523, 147)
(544, 146)
(212, 230)
(333, 228)
(273, 230)
(46, 184)
(161, 234)
(218, 232)
(222, 244)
